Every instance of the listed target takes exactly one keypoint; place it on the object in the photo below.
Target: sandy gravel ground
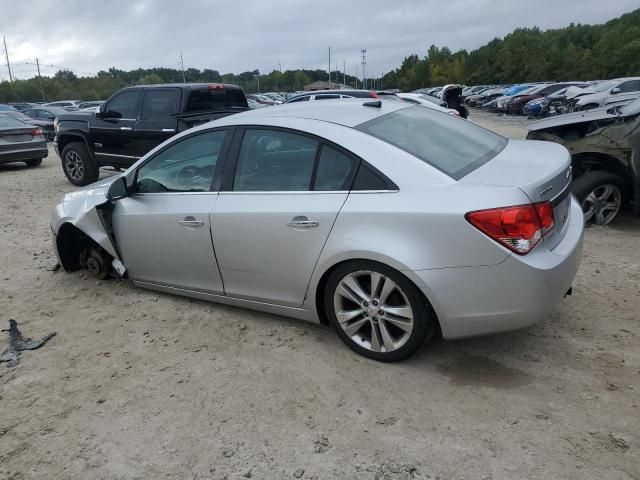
(141, 385)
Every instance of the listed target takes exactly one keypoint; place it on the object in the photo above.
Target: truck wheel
(78, 165)
(34, 162)
(600, 195)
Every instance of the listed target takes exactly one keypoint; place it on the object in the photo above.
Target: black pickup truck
(136, 119)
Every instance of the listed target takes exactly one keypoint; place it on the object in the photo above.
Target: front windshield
(632, 108)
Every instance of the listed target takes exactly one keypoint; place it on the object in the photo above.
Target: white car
(612, 92)
(426, 101)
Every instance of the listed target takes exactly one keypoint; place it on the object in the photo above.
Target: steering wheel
(186, 176)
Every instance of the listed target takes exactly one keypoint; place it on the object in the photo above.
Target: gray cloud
(243, 35)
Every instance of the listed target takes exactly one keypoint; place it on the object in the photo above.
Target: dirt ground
(140, 385)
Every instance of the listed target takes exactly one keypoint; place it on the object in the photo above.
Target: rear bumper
(514, 294)
(22, 154)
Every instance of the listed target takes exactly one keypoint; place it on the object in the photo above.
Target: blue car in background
(535, 107)
(7, 108)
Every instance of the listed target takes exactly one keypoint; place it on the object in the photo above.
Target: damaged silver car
(605, 150)
(390, 221)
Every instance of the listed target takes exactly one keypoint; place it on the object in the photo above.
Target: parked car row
(541, 99)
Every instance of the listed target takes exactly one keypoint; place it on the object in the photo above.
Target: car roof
(189, 86)
(347, 112)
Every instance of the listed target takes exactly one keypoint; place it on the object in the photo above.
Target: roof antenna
(376, 104)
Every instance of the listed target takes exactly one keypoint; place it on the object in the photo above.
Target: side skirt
(292, 312)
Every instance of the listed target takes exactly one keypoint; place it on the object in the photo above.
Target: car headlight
(55, 125)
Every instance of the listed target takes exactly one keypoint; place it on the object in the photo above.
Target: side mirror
(615, 90)
(118, 189)
(101, 111)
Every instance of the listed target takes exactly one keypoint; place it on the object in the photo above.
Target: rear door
(158, 120)
(279, 200)
(112, 135)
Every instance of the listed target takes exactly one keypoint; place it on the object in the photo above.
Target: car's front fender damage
(84, 236)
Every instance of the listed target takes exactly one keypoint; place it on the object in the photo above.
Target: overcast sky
(87, 36)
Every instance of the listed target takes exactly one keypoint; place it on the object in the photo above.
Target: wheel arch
(330, 267)
(599, 161)
(66, 138)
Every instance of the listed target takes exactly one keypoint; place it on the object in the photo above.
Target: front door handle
(125, 128)
(169, 130)
(302, 222)
(191, 222)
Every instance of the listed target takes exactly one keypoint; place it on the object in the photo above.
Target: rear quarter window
(453, 145)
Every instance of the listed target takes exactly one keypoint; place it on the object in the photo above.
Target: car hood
(592, 98)
(571, 118)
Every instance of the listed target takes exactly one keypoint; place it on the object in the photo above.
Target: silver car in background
(389, 221)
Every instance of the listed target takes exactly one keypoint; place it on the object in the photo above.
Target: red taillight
(518, 228)
(216, 86)
(374, 94)
(36, 132)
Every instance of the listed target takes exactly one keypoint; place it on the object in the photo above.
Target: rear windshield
(448, 143)
(203, 100)
(7, 121)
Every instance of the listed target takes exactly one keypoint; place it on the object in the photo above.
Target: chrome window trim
(115, 155)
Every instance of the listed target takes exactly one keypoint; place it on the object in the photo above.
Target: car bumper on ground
(514, 294)
(22, 154)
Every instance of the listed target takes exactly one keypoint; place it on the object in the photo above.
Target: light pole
(258, 77)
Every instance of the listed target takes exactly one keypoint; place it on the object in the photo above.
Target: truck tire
(600, 195)
(78, 165)
(34, 162)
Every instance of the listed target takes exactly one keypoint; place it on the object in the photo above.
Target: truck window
(124, 105)
(160, 103)
(218, 99)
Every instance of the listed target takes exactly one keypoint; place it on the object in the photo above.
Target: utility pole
(182, 64)
(344, 72)
(364, 62)
(279, 67)
(329, 68)
(6, 53)
(40, 78)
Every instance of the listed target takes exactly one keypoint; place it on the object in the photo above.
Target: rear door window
(272, 160)
(335, 170)
(454, 146)
(159, 104)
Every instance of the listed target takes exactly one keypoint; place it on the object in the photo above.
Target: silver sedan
(391, 222)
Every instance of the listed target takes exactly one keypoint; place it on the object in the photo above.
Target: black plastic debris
(17, 344)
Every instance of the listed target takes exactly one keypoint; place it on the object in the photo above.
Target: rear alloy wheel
(77, 165)
(34, 162)
(600, 195)
(377, 311)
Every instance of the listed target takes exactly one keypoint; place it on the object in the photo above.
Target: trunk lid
(542, 170)
(16, 134)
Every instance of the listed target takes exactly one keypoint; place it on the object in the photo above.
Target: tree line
(575, 52)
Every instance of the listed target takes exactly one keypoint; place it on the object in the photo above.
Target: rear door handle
(169, 130)
(302, 222)
(191, 222)
(125, 128)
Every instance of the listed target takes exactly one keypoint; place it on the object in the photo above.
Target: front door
(269, 228)
(162, 230)
(112, 135)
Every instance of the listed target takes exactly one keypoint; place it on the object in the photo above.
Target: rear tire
(77, 164)
(34, 162)
(388, 325)
(600, 195)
